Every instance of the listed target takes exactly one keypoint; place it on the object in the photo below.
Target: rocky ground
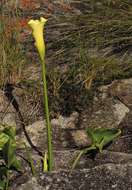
(110, 169)
(104, 104)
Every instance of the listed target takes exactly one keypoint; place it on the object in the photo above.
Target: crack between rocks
(8, 89)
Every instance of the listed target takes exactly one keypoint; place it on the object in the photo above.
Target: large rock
(65, 133)
(107, 176)
(106, 111)
(122, 89)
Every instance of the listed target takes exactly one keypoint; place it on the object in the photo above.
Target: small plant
(37, 31)
(8, 159)
(100, 138)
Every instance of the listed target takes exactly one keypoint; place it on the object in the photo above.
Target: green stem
(77, 159)
(48, 124)
(84, 151)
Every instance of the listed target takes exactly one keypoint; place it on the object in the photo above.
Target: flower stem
(48, 124)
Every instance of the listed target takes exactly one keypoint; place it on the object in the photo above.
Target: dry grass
(12, 59)
(97, 45)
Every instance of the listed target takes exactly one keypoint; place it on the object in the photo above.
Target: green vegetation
(8, 159)
(100, 137)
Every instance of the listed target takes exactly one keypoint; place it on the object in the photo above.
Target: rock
(63, 159)
(7, 112)
(120, 111)
(107, 112)
(65, 134)
(28, 97)
(107, 176)
(66, 122)
(31, 185)
(122, 89)
(9, 119)
(80, 138)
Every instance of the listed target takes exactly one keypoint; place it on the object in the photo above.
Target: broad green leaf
(101, 136)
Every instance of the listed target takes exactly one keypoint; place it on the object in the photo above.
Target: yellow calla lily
(37, 31)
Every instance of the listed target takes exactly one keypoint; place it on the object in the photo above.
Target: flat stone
(108, 176)
(64, 159)
(106, 113)
(122, 89)
(62, 138)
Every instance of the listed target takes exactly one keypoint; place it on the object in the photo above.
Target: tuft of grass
(96, 45)
(12, 59)
(100, 69)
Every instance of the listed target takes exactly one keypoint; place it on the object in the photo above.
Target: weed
(9, 161)
(100, 138)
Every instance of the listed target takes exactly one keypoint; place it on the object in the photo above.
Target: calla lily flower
(37, 31)
(37, 27)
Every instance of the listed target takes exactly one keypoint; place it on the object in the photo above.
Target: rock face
(122, 89)
(108, 176)
(110, 170)
(106, 112)
(64, 132)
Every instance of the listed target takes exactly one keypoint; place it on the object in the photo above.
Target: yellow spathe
(37, 31)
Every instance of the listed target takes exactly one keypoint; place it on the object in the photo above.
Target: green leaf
(9, 149)
(45, 162)
(9, 152)
(16, 165)
(3, 140)
(101, 136)
(10, 131)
